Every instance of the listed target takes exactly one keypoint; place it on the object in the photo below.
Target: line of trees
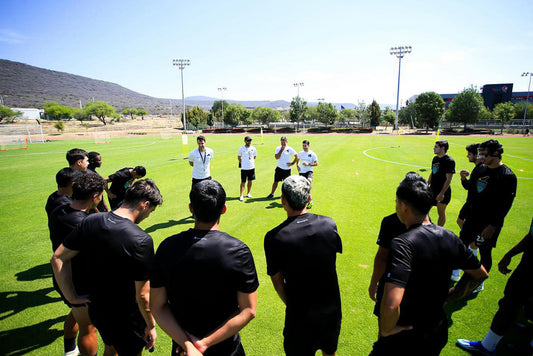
(99, 109)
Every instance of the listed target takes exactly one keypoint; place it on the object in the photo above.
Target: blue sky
(338, 49)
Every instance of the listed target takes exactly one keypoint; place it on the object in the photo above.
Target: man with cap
(246, 156)
(283, 155)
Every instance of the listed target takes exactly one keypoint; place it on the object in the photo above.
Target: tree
(7, 113)
(429, 107)
(389, 117)
(347, 115)
(59, 126)
(408, 116)
(100, 109)
(210, 119)
(375, 113)
(56, 111)
(519, 110)
(196, 116)
(465, 107)
(298, 111)
(265, 115)
(216, 109)
(503, 112)
(327, 114)
(233, 114)
(142, 112)
(312, 113)
(362, 112)
(130, 112)
(80, 115)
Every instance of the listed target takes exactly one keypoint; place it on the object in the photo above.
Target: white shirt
(285, 157)
(201, 163)
(247, 155)
(307, 157)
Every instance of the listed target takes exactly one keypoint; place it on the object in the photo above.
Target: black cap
(247, 138)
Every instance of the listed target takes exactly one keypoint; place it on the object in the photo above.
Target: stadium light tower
(399, 52)
(222, 90)
(526, 74)
(182, 63)
(298, 85)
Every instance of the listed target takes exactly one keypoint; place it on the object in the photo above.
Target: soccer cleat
(270, 196)
(249, 195)
(74, 352)
(241, 198)
(475, 346)
(310, 204)
(479, 288)
(456, 275)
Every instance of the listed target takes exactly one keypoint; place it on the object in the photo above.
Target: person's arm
(61, 266)
(279, 285)
(503, 201)
(247, 310)
(465, 182)
(506, 259)
(294, 160)
(278, 154)
(110, 195)
(429, 178)
(470, 280)
(166, 320)
(380, 263)
(142, 294)
(390, 310)
(445, 187)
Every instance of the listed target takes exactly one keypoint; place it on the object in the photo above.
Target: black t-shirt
(421, 260)
(493, 191)
(118, 253)
(391, 227)
(304, 249)
(202, 272)
(63, 220)
(440, 166)
(120, 181)
(55, 200)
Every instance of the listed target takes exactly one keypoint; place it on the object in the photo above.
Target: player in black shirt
(205, 282)
(86, 194)
(440, 178)
(64, 179)
(119, 256)
(518, 292)
(412, 319)
(95, 161)
(493, 189)
(120, 181)
(301, 258)
(78, 159)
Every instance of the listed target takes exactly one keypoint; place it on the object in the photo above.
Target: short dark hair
(140, 170)
(201, 137)
(296, 190)
(493, 148)
(415, 192)
(92, 157)
(75, 154)
(86, 185)
(443, 144)
(306, 142)
(142, 190)
(67, 175)
(207, 200)
(472, 148)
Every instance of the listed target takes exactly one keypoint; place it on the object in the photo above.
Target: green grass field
(354, 184)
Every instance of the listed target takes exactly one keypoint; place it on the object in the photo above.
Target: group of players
(201, 285)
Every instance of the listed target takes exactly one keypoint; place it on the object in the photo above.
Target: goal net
(102, 137)
(30, 133)
(167, 135)
(13, 142)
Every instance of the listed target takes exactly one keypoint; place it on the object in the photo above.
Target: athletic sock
(491, 341)
(69, 344)
(474, 251)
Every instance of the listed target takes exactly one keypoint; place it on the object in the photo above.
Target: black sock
(69, 344)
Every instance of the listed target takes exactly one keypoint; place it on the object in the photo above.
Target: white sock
(491, 340)
(474, 250)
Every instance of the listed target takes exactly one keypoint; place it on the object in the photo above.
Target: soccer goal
(19, 136)
(13, 142)
(167, 135)
(102, 137)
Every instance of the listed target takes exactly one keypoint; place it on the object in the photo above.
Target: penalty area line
(384, 160)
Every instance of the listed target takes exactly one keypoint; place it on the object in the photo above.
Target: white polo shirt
(307, 157)
(285, 157)
(247, 155)
(201, 163)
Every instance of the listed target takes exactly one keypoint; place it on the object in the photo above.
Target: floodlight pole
(222, 90)
(526, 74)
(182, 63)
(298, 85)
(399, 52)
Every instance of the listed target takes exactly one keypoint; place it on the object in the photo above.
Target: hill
(26, 86)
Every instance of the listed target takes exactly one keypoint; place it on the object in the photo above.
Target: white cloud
(11, 37)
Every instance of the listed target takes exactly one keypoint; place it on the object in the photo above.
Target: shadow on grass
(170, 223)
(36, 272)
(12, 303)
(456, 305)
(22, 340)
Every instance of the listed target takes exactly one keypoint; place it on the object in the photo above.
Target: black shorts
(194, 180)
(447, 197)
(308, 175)
(247, 174)
(305, 338)
(281, 174)
(122, 329)
(465, 210)
(472, 228)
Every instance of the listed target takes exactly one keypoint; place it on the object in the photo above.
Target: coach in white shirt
(247, 155)
(200, 160)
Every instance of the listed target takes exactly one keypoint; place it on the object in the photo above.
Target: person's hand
(504, 264)
(198, 344)
(190, 350)
(150, 335)
(111, 195)
(464, 173)
(372, 291)
(439, 197)
(305, 163)
(488, 232)
(298, 168)
(397, 329)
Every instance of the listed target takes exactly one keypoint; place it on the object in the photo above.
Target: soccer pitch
(354, 184)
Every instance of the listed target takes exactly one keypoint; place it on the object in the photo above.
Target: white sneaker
(241, 198)
(74, 352)
(249, 195)
(479, 288)
(456, 275)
